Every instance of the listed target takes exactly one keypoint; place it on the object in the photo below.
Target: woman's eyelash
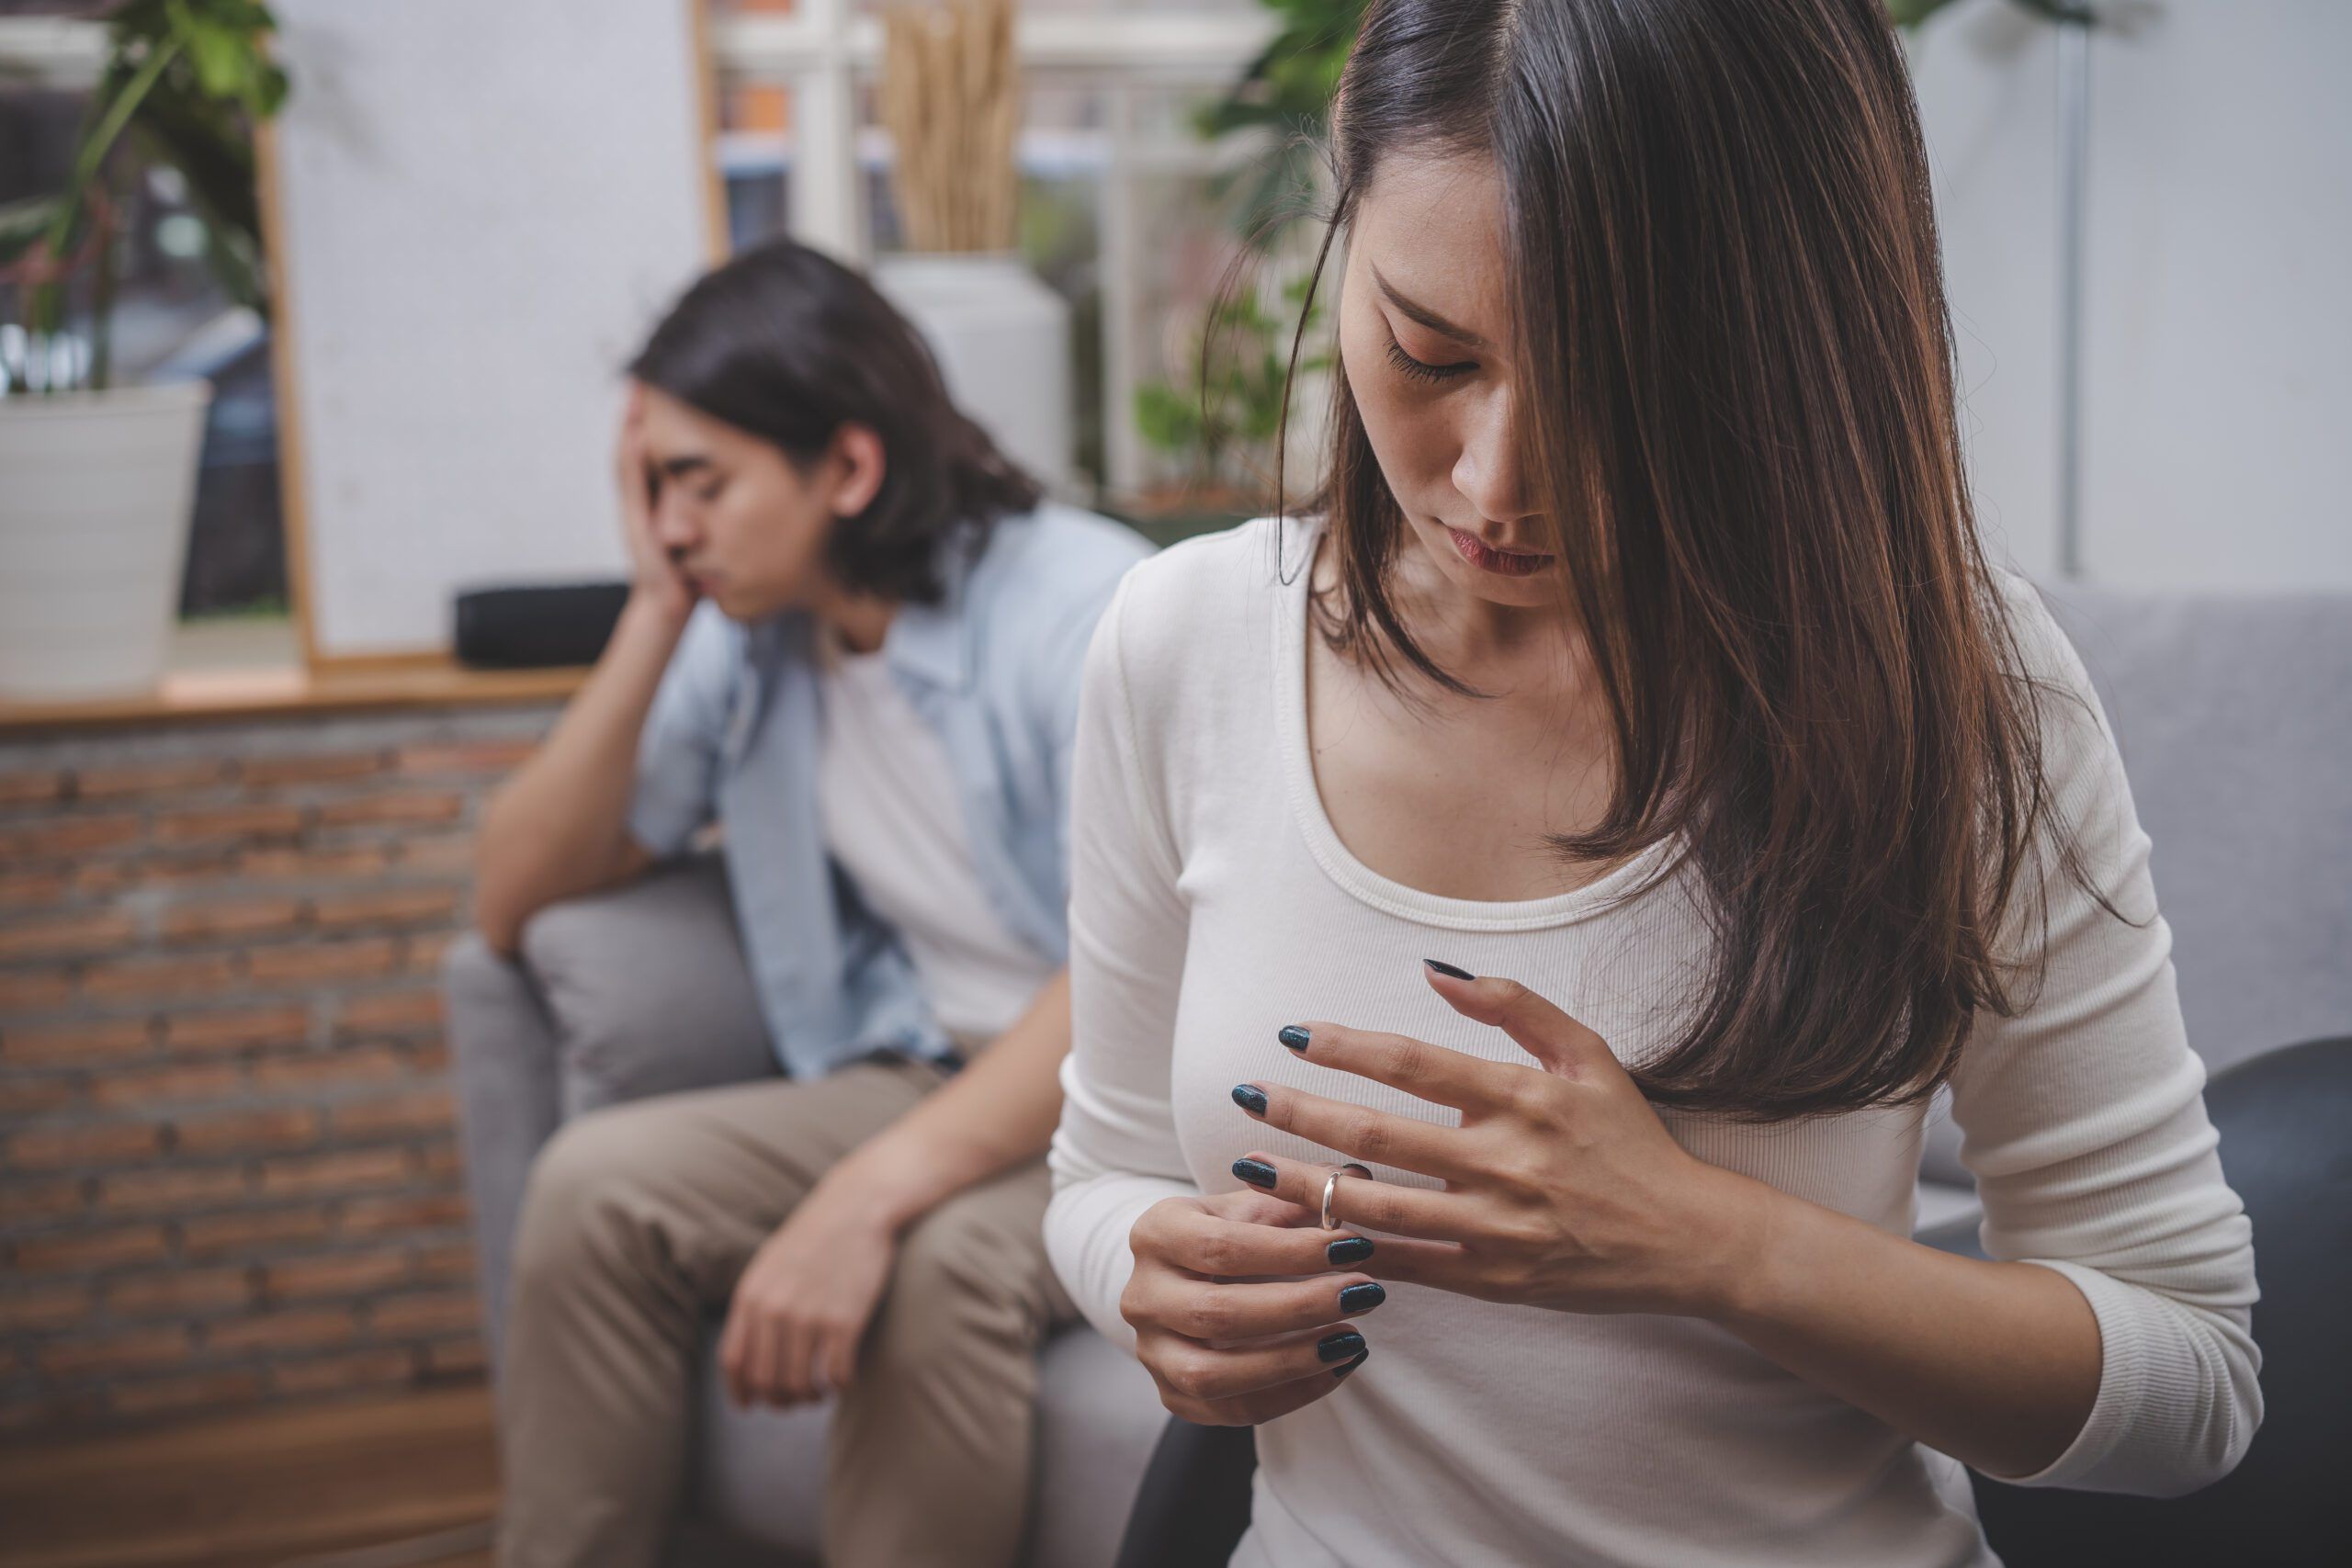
(1421, 370)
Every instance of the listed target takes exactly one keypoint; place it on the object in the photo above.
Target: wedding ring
(1332, 1185)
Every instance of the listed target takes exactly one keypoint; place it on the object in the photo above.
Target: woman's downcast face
(747, 525)
(1424, 336)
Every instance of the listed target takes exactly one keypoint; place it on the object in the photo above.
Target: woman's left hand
(1562, 1189)
(801, 1307)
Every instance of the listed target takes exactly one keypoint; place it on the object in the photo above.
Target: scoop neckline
(1336, 861)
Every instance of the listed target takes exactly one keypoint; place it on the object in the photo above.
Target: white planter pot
(96, 491)
(1001, 338)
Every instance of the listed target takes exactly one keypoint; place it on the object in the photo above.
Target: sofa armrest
(647, 987)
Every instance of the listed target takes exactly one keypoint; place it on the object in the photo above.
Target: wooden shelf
(394, 682)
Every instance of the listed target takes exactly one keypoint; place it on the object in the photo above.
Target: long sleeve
(678, 753)
(2084, 1121)
(1115, 1153)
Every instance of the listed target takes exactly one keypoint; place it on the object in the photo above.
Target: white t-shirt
(886, 795)
(1212, 902)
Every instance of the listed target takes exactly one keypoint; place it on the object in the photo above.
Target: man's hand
(802, 1305)
(653, 575)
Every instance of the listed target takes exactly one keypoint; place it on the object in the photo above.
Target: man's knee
(577, 1206)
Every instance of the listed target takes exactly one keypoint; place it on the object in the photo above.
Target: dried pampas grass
(951, 99)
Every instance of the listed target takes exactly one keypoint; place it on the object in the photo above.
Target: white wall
(2218, 331)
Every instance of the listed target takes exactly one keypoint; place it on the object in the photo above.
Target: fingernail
(1293, 1036)
(1339, 1347)
(1250, 1097)
(1362, 1298)
(1444, 968)
(1349, 1249)
(1362, 1356)
(1256, 1172)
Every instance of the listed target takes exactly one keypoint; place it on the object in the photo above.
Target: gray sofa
(2234, 714)
(644, 991)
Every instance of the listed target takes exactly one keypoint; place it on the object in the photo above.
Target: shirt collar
(934, 642)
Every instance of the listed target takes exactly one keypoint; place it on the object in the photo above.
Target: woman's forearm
(556, 829)
(1996, 1364)
(998, 1112)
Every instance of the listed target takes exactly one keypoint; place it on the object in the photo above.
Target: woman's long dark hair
(787, 344)
(1734, 392)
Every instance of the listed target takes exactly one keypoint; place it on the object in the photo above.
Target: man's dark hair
(787, 344)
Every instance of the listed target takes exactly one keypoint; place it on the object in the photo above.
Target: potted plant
(93, 516)
(950, 96)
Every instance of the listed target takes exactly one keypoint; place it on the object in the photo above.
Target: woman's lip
(1486, 557)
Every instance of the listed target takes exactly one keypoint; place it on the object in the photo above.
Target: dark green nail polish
(1250, 1097)
(1349, 1249)
(1339, 1347)
(1293, 1036)
(1448, 969)
(1362, 1298)
(1256, 1172)
(1352, 1366)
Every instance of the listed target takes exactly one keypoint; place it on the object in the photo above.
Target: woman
(1601, 824)
(853, 643)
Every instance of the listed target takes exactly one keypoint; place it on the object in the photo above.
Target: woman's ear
(856, 465)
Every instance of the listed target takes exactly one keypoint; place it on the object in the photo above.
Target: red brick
(243, 1131)
(218, 1234)
(101, 1143)
(70, 1044)
(31, 789)
(388, 907)
(43, 1306)
(425, 953)
(173, 1188)
(340, 862)
(36, 1097)
(180, 1291)
(250, 1028)
(116, 1352)
(414, 1011)
(191, 1390)
(489, 758)
(440, 1159)
(172, 1084)
(282, 1330)
(353, 1274)
(105, 878)
(427, 1110)
(360, 960)
(324, 1374)
(450, 854)
(24, 990)
(329, 767)
(378, 1216)
(191, 976)
(239, 922)
(42, 1199)
(342, 1171)
(328, 1069)
(430, 1058)
(450, 1263)
(455, 1359)
(60, 838)
(368, 810)
(29, 889)
(59, 934)
(69, 1251)
(401, 1316)
(145, 779)
(229, 824)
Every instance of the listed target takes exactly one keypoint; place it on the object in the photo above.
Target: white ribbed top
(1212, 902)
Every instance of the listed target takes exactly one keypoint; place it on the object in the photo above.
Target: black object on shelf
(530, 628)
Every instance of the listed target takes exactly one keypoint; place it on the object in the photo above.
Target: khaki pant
(637, 1223)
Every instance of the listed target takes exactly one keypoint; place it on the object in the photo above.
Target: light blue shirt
(993, 667)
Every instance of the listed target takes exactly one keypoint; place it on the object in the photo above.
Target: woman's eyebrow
(679, 467)
(1426, 316)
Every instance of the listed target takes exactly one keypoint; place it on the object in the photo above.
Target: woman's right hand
(654, 576)
(1224, 1323)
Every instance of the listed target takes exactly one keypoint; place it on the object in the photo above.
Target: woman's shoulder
(1191, 599)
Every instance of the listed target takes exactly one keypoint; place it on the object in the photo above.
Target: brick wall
(228, 1168)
